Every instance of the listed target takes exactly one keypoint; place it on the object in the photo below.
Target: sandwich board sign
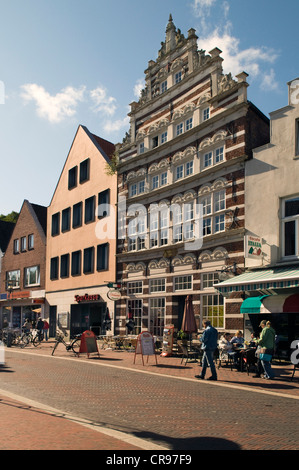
(88, 343)
(145, 346)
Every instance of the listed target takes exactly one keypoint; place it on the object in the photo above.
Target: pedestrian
(45, 329)
(209, 344)
(266, 345)
(27, 326)
(40, 327)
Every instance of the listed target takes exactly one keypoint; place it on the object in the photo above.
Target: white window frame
(214, 206)
(15, 276)
(183, 282)
(294, 218)
(206, 113)
(27, 275)
(157, 285)
(157, 313)
(134, 287)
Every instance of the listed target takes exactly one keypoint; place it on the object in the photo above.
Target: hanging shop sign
(253, 247)
(114, 294)
(87, 298)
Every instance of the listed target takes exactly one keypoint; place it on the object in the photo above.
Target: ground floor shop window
(157, 316)
(213, 309)
(135, 310)
(88, 316)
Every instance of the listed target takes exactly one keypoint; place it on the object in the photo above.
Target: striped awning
(262, 280)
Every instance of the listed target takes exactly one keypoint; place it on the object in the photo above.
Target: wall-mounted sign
(253, 247)
(87, 298)
(114, 294)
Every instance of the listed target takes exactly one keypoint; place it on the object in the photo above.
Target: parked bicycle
(33, 337)
(9, 337)
(74, 345)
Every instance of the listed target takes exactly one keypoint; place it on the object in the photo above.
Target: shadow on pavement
(4, 368)
(194, 443)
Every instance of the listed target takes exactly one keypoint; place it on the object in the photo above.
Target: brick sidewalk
(29, 426)
(172, 366)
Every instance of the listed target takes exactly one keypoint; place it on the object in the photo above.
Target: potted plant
(182, 337)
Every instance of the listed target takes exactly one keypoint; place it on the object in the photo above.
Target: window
(103, 257)
(54, 268)
(206, 114)
(89, 214)
(135, 307)
(23, 243)
(64, 265)
(104, 203)
(157, 312)
(154, 226)
(184, 170)
(178, 77)
(213, 157)
(177, 223)
(164, 86)
(72, 183)
(141, 147)
(13, 279)
(182, 283)
(77, 215)
(155, 141)
(213, 309)
(30, 241)
(209, 279)
(155, 182)
(164, 178)
(189, 124)
(55, 224)
(157, 285)
(141, 187)
(88, 260)
(84, 171)
(179, 128)
(76, 263)
(134, 287)
(290, 225)
(32, 276)
(66, 219)
(164, 137)
(133, 190)
(164, 224)
(213, 212)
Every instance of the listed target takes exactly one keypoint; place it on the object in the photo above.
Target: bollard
(2, 354)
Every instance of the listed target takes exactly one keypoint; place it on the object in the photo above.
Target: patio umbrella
(189, 323)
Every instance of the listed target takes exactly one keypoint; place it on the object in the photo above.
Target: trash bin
(9, 339)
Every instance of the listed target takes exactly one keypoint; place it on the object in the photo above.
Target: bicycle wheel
(24, 341)
(36, 340)
(76, 345)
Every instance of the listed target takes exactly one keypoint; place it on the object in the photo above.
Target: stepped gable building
(80, 248)
(22, 293)
(181, 187)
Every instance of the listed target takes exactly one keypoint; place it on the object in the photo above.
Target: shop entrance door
(88, 316)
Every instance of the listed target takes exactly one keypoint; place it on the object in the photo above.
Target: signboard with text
(253, 247)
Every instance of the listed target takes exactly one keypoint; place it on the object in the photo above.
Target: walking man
(209, 344)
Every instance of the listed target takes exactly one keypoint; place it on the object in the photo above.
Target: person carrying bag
(265, 350)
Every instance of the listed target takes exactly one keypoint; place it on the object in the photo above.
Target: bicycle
(28, 337)
(74, 345)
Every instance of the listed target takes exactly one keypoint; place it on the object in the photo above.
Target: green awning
(261, 280)
(252, 304)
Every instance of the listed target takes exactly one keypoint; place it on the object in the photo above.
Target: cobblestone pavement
(162, 405)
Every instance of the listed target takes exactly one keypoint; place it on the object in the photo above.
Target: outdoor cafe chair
(296, 366)
(225, 357)
(188, 354)
(248, 359)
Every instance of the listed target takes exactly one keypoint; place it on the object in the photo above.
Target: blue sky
(68, 62)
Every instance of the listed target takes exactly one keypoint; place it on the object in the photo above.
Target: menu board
(145, 345)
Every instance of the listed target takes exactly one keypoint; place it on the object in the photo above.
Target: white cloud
(103, 102)
(139, 85)
(118, 124)
(253, 60)
(53, 108)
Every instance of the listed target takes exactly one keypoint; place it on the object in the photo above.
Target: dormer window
(177, 77)
(164, 86)
(206, 114)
